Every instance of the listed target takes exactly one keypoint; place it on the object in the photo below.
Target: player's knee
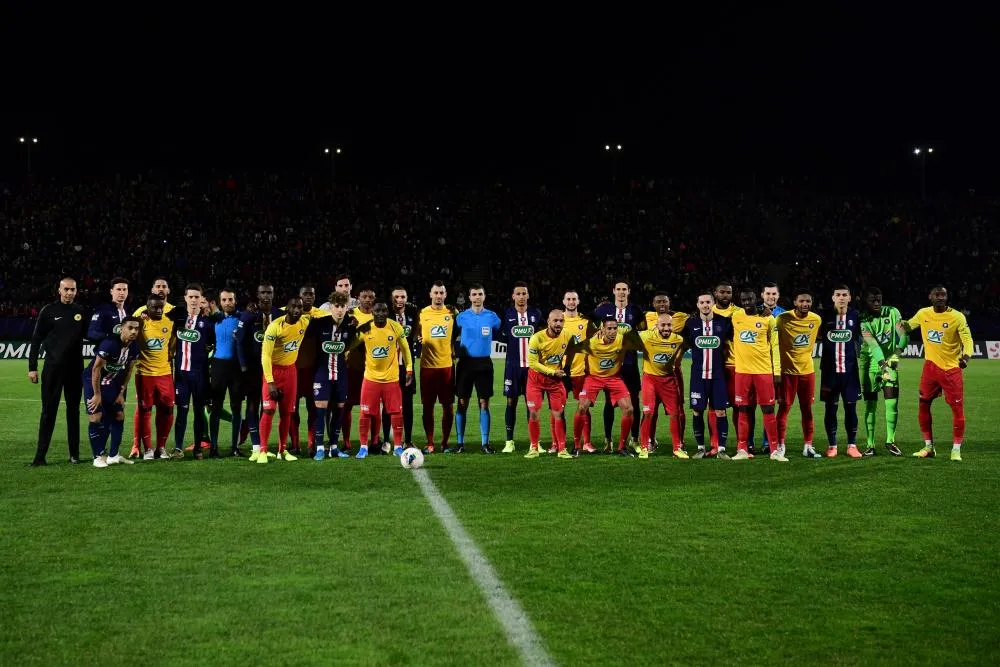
(269, 411)
(120, 416)
(627, 411)
(767, 409)
(484, 403)
(94, 418)
(533, 416)
(720, 413)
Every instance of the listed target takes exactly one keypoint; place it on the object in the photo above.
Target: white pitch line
(516, 624)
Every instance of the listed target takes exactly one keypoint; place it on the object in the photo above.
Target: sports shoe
(253, 457)
(831, 452)
(893, 449)
(608, 449)
(700, 454)
(288, 456)
(625, 451)
(852, 451)
(956, 455)
(161, 454)
(810, 452)
(653, 445)
(237, 452)
(751, 449)
(925, 453)
(270, 454)
(776, 455)
(870, 451)
(457, 449)
(340, 453)
(148, 456)
(134, 454)
(320, 455)
(551, 450)
(262, 457)
(741, 455)
(533, 452)
(681, 454)
(564, 455)
(429, 449)
(644, 454)
(723, 456)
(589, 448)
(117, 459)
(633, 444)
(486, 449)
(101, 462)
(398, 451)
(508, 447)
(177, 454)
(362, 453)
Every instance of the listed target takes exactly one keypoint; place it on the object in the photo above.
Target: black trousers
(59, 380)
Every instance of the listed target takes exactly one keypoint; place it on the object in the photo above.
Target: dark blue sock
(851, 422)
(237, 427)
(333, 428)
(698, 424)
(460, 423)
(609, 416)
(117, 428)
(180, 426)
(509, 417)
(95, 431)
(199, 423)
(722, 424)
(830, 422)
(253, 426)
(484, 426)
(319, 427)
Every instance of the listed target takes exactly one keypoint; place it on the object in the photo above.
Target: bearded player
(660, 348)
(581, 328)
(758, 370)
(437, 377)
(797, 332)
(661, 306)
(546, 350)
(628, 317)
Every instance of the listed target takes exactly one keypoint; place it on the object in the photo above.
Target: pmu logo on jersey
(605, 364)
(380, 352)
(332, 347)
(522, 331)
(707, 342)
(839, 335)
(290, 346)
(154, 344)
(934, 336)
(188, 336)
(439, 331)
(748, 337)
(661, 357)
(800, 340)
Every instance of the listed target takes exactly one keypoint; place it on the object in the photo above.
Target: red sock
(713, 430)
(924, 419)
(957, 423)
(559, 434)
(364, 426)
(146, 428)
(652, 426)
(136, 428)
(428, 419)
(266, 420)
(397, 429)
(552, 430)
(626, 429)
(294, 431)
(675, 431)
(771, 428)
(644, 429)
(534, 431)
(783, 410)
(807, 422)
(577, 429)
(164, 422)
(586, 428)
(447, 419)
(345, 423)
(376, 418)
(284, 425)
(681, 421)
(742, 429)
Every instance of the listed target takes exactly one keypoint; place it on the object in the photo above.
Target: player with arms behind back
(628, 318)
(520, 323)
(708, 335)
(883, 335)
(581, 328)
(660, 348)
(841, 336)
(661, 306)
(797, 332)
(758, 370)
(437, 377)
(546, 351)
(947, 350)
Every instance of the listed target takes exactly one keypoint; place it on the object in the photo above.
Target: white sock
(956, 447)
(320, 448)
(928, 444)
(255, 449)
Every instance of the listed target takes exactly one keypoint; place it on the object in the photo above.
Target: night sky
(840, 97)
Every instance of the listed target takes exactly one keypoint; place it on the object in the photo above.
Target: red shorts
(803, 386)
(554, 387)
(305, 382)
(754, 389)
(437, 384)
(155, 390)
(594, 385)
(934, 380)
(730, 374)
(662, 389)
(355, 376)
(577, 385)
(285, 378)
(373, 393)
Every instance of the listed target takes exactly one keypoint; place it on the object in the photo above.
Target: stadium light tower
(614, 151)
(332, 153)
(921, 154)
(29, 144)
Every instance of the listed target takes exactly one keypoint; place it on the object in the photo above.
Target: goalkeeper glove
(893, 362)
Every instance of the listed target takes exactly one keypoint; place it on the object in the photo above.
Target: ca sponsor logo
(800, 340)
(522, 331)
(606, 364)
(439, 331)
(188, 336)
(290, 346)
(661, 357)
(332, 347)
(259, 336)
(707, 342)
(554, 359)
(154, 344)
(934, 336)
(380, 352)
(624, 327)
(748, 337)
(883, 338)
(839, 335)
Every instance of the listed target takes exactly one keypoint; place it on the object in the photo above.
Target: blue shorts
(708, 392)
(188, 384)
(515, 381)
(325, 389)
(833, 385)
(109, 394)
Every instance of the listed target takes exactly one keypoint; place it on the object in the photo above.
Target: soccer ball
(411, 458)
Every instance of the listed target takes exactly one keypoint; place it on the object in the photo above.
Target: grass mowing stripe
(516, 624)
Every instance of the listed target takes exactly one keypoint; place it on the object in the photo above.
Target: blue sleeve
(106, 349)
(96, 332)
(241, 333)
(496, 322)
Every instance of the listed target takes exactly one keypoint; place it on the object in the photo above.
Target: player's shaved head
(67, 290)
(380, 313)
(556, 321)
(665, 324)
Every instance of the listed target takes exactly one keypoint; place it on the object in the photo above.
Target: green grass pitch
(616, 561)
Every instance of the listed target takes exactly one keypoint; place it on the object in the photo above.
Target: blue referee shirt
(778, 310)
(476, 332)
(225, 336)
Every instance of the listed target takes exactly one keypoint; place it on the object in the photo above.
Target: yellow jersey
(730, 345)
(307, 353)
(946, 336)
(579, 327)
(383, 347)
(659, 355)
(680, 319)
(437, 330)
(796, 339)
(755, 344)
(282, 340)
(604, 360)
(356, 356)
(545, 354)
(156, 338)
(167, 307)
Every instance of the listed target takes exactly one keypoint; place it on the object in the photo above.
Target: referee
(226, 373)
(60, 329)
(477, 325)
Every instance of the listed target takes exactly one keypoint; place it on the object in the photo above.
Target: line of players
(344, 354)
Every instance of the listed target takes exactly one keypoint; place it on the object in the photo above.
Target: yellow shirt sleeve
(965, 335)
(914, 322)
(267, 349)
(534, 361)
(772, 332)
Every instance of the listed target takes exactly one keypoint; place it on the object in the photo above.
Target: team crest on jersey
(522, 331)
(117, 329)
(290, 346)
(934, 336)
(154, 344)
(580, 327)
(812, 324)
(944, 325)
(439, 331)
(188, 336)
(259, 336)
(447, 317)
(883, 338)
(661, 357)
(406, 331)
(707, 342)
(78, 317)
(164, 330)
(201, 325)
(301, 331)
(332, 347)
(380, 352)
(748, 337)
(839, 335)
(390, 339)
(606, 364)
(757, 324)
(801, 340)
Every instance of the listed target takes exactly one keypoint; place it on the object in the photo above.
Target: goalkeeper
(883, 337)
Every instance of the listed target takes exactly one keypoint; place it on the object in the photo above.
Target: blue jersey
(106, 321)
(475, 333)
(331, 340)
(117, 356)
(225, 337)
(193, 334)
(409, 319)
(707, 341)
(628, 319)
(840, 337)
(777, 310)
(250, 335)
(516, 330)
